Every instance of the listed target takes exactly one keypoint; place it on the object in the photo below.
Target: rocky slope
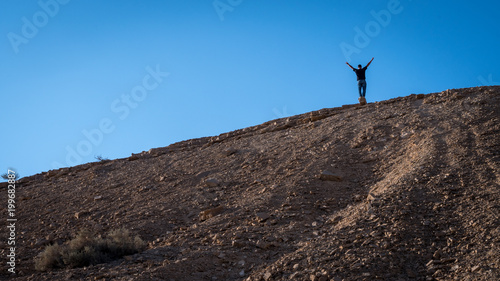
(404, 189)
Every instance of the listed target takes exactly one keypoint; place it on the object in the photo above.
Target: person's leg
(364, 88)
(360, 87)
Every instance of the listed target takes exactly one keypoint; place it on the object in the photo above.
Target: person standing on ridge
(360, 73)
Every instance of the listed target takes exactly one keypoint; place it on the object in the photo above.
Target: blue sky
(90, 78)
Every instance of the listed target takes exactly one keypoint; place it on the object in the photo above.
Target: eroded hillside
(409, 191)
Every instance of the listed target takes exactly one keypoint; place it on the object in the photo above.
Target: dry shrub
(50, 258)
(88, 249)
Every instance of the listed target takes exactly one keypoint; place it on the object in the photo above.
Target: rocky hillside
(404, 189)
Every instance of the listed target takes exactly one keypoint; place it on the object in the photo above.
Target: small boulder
(133, 157)
(373, 200)
(262, 216)
(211, 182)
(330, 176)
(205, 215)
(362, 101)
(81, 214)
(230, 151)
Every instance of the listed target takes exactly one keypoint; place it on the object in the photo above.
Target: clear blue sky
(90, 78)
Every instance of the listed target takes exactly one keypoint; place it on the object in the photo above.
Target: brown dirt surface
(403, 189)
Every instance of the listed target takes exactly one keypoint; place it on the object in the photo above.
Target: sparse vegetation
(101, 159)
(5, 176)
(88, 249)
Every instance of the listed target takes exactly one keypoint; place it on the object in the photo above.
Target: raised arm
(369, 63)
(349, 65)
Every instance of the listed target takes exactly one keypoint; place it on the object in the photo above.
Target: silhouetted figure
(360, 73)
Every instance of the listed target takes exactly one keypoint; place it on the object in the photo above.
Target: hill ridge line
(299, 119)
(266, 127)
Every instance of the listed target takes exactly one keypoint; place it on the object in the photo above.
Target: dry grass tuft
(88, 249)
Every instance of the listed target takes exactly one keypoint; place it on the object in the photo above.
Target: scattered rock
(81, 214)
(41, 242)
(437, 254)
(205, 215)
(264, 244)
(52, 173)
(238, 243)
(133, 157)
(475, 268)
(330, 176)
(211, 182)
(262, 216)
(374, 200)
(230, 151)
